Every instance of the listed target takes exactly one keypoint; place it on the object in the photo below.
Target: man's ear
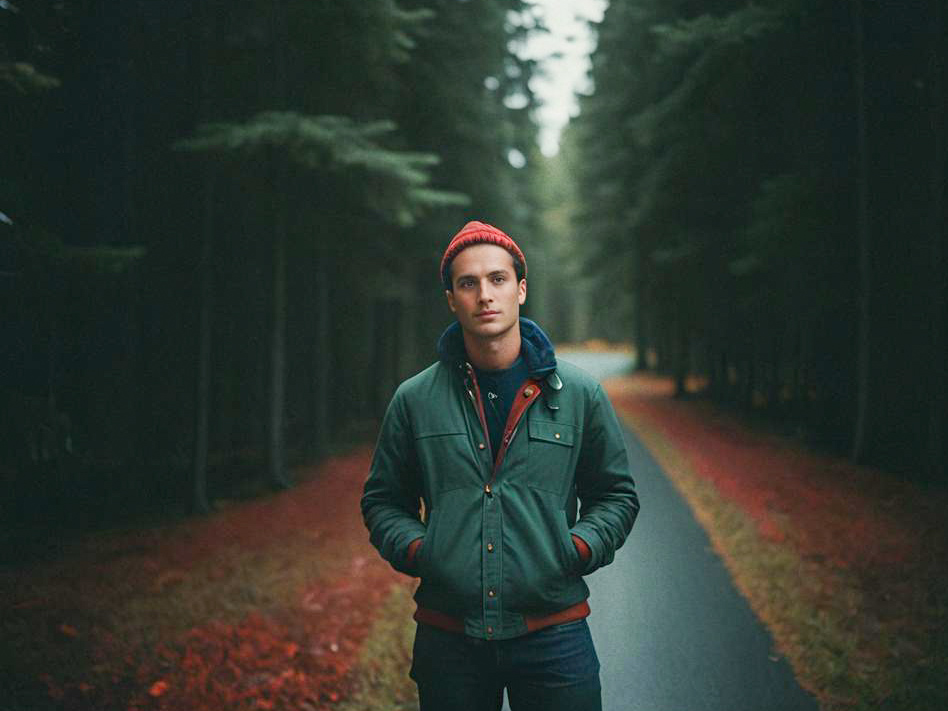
(450, 295)
(522, 292)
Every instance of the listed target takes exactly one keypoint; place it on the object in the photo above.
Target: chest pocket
(446, 460)
(553, 447)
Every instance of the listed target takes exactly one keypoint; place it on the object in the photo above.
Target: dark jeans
(552, 669)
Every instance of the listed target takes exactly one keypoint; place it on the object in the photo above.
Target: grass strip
(380, 676)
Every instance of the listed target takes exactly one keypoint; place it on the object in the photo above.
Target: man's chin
(488, 330)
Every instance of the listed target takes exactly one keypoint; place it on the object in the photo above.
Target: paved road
(672, 632)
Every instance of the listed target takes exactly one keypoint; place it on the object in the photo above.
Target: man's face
(487, 296)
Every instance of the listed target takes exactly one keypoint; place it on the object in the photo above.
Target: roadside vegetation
(843, 563)
(264, 604)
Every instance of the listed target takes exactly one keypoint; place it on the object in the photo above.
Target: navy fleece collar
(536, 348)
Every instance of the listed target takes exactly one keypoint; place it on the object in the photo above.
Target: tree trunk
(750, 379)
(798, 394)
(724, 375)
(939, 298)
(641, 333)
(665, 339)
(681, 351)
(385, 326)
(276, 454)
(775, 386)
(714, 378)
(323, 361)
(863, 367)
(199, 502)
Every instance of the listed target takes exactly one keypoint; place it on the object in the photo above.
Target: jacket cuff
(593, 542)
(413, 550)
(582, 548)
(400, 548)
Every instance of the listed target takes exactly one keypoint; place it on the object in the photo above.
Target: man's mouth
(482, 314)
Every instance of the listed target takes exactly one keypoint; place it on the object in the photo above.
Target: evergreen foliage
(396, 182)
(721, 169)
(252, 199)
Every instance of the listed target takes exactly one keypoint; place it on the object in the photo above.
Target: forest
(766, 184)
(220, 224)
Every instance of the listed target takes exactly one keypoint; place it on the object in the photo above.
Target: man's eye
(498, 279)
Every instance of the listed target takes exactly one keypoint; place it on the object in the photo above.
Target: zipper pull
(510, 435)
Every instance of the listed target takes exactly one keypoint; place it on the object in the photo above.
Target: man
(497, 441)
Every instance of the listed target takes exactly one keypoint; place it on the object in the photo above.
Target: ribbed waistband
(534, 623)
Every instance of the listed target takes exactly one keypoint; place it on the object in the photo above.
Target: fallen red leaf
(158, 688)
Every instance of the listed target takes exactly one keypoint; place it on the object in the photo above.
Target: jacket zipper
(479, 407)
(509, 434)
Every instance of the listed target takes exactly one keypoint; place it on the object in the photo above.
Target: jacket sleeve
(390, 498)
(608, 501)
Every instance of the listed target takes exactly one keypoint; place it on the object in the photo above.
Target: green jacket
(497, 550)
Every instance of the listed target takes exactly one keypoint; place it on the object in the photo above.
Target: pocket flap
(445, 433)
(554, 432)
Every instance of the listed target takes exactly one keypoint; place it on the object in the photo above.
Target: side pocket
(572, 555)
(421, 558)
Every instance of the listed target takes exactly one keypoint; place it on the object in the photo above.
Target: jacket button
(527, 392)
(481, 445)
(557, 435)
(490, 547)
(490, 593)
(490, 630)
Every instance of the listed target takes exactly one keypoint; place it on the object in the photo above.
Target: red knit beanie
(476, 233)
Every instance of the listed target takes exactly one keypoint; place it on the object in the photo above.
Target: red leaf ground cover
(294, 654)
(823, 505)
(287, 659)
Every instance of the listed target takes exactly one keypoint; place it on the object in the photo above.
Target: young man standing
(522, 471)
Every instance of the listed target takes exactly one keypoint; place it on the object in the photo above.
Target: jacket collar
(536, 348)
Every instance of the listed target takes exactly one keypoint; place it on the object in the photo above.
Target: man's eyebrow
(494, 272)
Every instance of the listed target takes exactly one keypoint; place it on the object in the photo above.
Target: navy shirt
(498, 390)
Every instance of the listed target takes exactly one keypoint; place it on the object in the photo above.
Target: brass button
(528, 392)
(490, 593)
(557, 435)
(481, 445)
(490, 630)
(490, 547)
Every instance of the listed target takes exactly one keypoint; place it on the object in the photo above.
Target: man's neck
(497, 353)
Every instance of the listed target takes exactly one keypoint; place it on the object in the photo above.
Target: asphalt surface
(671, 630)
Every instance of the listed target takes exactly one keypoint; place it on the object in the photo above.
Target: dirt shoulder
(845, 564)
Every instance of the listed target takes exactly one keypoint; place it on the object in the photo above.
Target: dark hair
(446, 274)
